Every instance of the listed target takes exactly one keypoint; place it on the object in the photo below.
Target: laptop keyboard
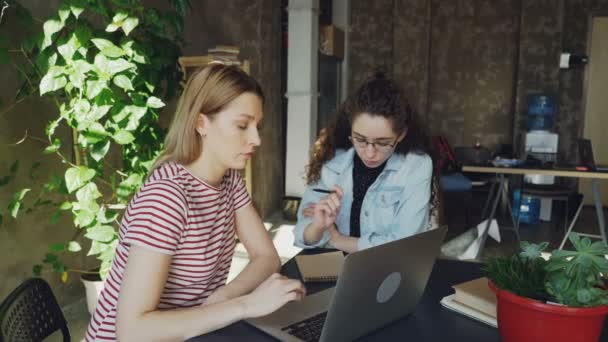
(308, 329)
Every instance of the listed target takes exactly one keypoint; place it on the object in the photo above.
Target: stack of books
(227, 54)
(473, 299)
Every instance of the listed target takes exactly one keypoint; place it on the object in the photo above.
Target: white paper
(473, 249)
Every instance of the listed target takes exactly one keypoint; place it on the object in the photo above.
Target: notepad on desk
(320, 267)
(473, 299)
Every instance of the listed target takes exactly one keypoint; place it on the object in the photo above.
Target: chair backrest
(445, 160)
(31, 313)
(436, 215)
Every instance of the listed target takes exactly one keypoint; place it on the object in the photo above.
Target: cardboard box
(331, 41)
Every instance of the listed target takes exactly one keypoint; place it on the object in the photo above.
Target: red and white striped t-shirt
(178, 214)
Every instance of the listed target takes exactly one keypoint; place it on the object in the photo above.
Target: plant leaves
(532, 251)
(123, 82)
(81, 107)
(116, 66)
(50, 128)
(129, 185)
(99, 112)
(76, 177)
(104, 216)
(55, 217)
(57, 247)
(68, 49)
(107, 48)
(49, 258)
(97, 247)
(130, 24)
(54, 147)
(112, 27)
(101, 233)
(119, 17)
(14, 166)
(154, 102)
(16, 202)
(94, 88)
(66, 206)
(81, 66)
(123, 137)
(100, 149)
(74, 246)
(51, 83)
(76, 10)
(36, 270)
(95, 133)
(51, 27)
(4, 180)
(83, 218)
(87, 195)
(58, 267)
(64, 13)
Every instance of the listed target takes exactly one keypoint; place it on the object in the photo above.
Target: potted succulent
(106, 65)
(563, 298)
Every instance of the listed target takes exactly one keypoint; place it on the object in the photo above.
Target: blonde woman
(177, 237)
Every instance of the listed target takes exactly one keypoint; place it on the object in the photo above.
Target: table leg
(514, 219)
(578, 212)
(491, 195)
(499, 191)
(599, 209)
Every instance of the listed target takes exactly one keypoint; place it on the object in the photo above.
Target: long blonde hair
(208, 91)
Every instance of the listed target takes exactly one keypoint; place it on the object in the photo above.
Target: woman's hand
(325, 212)
(272, 294)
(309, 211)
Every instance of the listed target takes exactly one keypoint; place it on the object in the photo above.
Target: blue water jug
(528, 209)
(541, 111)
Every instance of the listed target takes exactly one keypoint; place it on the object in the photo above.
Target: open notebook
(320, 267)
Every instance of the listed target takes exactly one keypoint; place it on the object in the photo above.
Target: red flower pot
(522, 319)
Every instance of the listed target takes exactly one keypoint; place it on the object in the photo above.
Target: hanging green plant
(108, 65)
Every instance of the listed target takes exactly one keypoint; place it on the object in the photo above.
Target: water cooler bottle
(541, 143)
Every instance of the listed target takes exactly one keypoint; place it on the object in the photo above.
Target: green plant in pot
(563, 298)
(106, 65)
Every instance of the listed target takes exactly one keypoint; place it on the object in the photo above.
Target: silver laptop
(376, 286)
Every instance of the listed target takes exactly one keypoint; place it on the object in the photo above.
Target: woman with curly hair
(370, 175)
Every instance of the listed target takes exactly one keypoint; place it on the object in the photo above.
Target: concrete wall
(254, 26)
(468, 65)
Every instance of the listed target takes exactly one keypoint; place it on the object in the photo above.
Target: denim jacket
(395, 206)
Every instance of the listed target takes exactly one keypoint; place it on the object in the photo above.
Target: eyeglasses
(382, 147)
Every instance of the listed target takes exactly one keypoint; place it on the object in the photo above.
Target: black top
(363, 178)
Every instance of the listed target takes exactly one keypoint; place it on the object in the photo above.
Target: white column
(302, 90)
(341, 19)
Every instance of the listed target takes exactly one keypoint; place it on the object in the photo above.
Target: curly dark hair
(378, 96)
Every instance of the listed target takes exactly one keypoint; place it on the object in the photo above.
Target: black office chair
(31, 313)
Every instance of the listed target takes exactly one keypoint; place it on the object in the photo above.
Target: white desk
(502, 171)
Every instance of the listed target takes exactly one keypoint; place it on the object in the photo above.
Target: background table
(500, 172)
